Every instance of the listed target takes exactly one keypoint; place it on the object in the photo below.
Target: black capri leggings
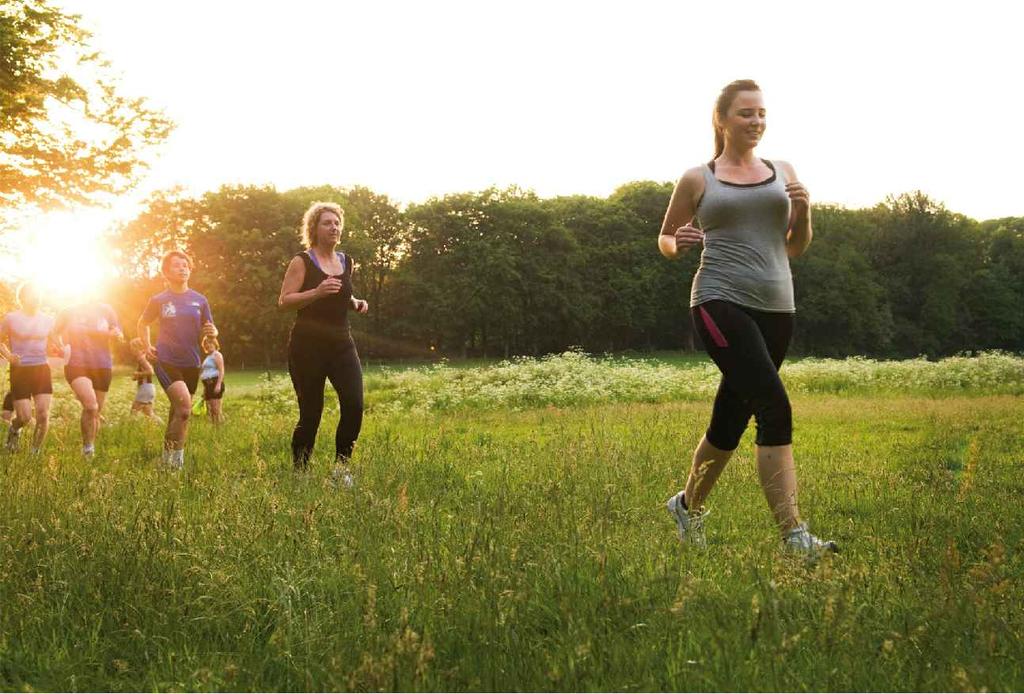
(748, 347)
(312, 361)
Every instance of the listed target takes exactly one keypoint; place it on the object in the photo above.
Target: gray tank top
(744, 259)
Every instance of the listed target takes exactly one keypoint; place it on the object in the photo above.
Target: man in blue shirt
(185, 318)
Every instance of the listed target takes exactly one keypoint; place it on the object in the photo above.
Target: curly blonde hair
(311, 219)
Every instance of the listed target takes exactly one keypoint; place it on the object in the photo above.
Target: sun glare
(65, 254)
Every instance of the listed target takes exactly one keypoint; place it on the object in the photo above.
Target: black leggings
(311, 361)
(748, 347)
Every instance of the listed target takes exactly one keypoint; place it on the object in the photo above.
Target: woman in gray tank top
(752, 215)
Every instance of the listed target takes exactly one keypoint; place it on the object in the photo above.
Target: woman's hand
(688, 236)
(331, 285)
(799, 198)
(360, 305)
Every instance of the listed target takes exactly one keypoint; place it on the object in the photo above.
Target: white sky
(415, 99)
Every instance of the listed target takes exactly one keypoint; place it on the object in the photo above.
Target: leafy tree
(68, 133)
(924, 256)
(842, 307)
(995, 293)
(670, 326)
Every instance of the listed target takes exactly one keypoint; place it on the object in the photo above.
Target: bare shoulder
(787, 169)
(692, 181)
(694, 176)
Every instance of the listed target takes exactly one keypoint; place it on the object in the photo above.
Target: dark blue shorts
(100, 378)
(168, 374)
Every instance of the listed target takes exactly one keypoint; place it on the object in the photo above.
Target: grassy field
(518, 540)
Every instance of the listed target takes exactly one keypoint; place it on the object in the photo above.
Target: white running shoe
(689, 523)
(174, 459)
(341, 475)
(799, 540)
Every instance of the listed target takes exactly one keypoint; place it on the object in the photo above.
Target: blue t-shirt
(181, 325)
(87, 330)
(27, 335)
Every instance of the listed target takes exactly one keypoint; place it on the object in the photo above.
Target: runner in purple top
(88, 329)
(27, 333)
(185, 318)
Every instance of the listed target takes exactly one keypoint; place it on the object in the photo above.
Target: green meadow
(507, 531)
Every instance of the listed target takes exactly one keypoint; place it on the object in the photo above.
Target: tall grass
(489, 549)
(574, 378)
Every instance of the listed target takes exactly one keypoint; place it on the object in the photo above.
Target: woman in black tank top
(318, 286)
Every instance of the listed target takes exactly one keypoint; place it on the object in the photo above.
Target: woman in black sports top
(318, 286)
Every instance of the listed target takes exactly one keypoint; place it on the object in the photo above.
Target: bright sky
(416, 99)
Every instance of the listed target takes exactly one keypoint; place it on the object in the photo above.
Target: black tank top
(327, 316)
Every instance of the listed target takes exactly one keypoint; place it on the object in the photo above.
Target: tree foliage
(501, 272)
(68, 132)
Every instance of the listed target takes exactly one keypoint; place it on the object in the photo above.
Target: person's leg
(306, 369)
(215, 412)
(730, 412)
(22, 417)
(749, 348)
(42, 409)
(708, 463)
(22, 413)
(774, 447)
(7, 413)
(89, 421)
(346, 375)
(147, 409)
(177, 421)
(101, 380)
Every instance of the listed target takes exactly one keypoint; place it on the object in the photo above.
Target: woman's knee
(774, 416)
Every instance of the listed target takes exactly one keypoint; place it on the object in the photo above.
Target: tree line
(502, 272)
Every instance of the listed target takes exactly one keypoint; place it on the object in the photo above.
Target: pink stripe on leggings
(709, 323)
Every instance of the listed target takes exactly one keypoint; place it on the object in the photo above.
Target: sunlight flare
(65, 253)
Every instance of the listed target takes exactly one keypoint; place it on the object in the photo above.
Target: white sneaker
(174, 459)
(689, 523)
(342, 476)
(799, 540)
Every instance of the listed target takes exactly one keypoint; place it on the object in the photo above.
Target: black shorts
(100, 377)
(209, 393)
(9, 402)
(27, 381)
(168, 374)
